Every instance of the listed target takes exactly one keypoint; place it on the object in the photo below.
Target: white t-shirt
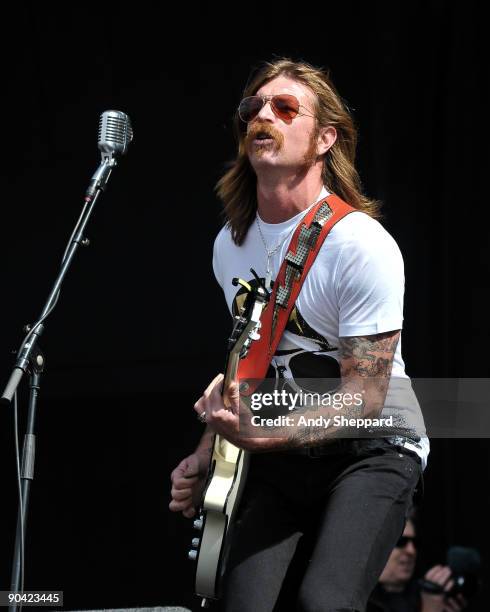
(355, 287)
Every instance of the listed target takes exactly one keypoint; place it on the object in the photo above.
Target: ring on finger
(202, 416)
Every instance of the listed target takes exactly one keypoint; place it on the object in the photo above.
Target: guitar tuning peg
(239, 281)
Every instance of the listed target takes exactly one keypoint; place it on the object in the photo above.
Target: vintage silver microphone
(115, 135)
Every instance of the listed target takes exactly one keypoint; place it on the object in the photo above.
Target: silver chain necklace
(270, 252)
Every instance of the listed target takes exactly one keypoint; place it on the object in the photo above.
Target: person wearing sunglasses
(340, 500)
(398, 590)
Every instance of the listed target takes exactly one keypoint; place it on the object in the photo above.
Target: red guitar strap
(303, 248)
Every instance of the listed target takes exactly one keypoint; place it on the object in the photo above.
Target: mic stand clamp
(98, 182)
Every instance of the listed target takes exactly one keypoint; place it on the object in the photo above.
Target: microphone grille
(115, 133)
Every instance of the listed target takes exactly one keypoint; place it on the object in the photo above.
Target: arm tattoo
(368, 356)
(365, 364)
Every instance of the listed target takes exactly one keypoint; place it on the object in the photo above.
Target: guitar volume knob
(195, 543)
(192, 554)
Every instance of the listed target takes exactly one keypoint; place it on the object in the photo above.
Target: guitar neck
(230, 375)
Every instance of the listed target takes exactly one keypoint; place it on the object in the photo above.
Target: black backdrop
(140, 326)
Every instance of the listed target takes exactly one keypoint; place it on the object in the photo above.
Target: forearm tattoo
(365, 364)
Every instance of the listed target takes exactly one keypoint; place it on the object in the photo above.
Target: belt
(344, 445)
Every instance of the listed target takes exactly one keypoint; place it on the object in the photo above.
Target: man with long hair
(338, 503)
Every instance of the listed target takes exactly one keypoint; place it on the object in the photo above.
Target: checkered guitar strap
(303, 248)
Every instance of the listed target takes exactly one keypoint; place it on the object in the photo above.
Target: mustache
(264, 128)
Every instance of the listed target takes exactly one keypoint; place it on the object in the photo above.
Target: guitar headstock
(247, 324)
(246, 327)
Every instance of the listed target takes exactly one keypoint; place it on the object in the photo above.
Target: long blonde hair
(237, 188)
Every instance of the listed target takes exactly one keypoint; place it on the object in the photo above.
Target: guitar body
(229, 466)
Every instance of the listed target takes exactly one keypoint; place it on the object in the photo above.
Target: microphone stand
(30, 359)
(36, 365)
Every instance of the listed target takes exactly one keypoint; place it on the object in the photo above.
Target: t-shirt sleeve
(370, 285)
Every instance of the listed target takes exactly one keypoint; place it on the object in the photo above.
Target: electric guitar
(228, 465)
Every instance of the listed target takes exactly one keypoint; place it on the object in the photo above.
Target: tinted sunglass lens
(404, 540)
(286, 107)
(249, 108)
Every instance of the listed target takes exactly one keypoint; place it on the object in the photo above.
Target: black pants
(314, 534)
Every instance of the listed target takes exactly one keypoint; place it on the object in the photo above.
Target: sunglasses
(284, 106)
(404, 540)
